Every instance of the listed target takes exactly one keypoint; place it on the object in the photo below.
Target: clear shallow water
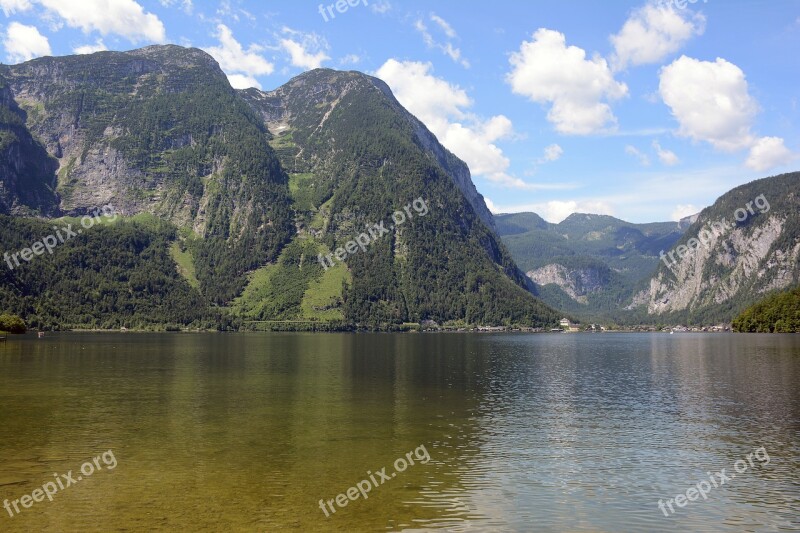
(247, 432)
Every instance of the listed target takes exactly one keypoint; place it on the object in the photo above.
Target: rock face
(577, 283)
(745, 245)
(27, 172)
(125, 128)
(155, 131)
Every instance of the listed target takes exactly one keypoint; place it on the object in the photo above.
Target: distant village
(567, 326)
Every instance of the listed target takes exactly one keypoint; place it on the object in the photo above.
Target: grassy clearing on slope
(185, 263)
(323, 298)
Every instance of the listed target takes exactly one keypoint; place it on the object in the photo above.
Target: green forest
(778, 313)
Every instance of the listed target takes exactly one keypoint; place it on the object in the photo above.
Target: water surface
(545, 432)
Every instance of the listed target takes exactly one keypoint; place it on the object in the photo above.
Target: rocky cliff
(742, 247)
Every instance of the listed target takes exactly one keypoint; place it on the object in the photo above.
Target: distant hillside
(740, 249)
(589, 265)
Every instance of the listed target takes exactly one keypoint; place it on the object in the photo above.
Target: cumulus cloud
(683, 211)
(444, 109)
(643, 159)
(98, 46)
(547, 71)
(667, 157)
(447, 47)
(710, 101)
(652, 33)
(767, 153)
(10, 7)
(239, 64)
(125, 18)
(23, 43)
(300, 51)
(552, 153)
(557, 210)
(243, 81)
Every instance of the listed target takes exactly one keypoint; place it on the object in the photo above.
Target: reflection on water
(248, 432)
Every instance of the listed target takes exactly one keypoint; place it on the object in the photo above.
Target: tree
(12, 323)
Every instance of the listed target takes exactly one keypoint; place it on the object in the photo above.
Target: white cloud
(10, 7)
(243, 81)
(667, 157)
(300, 54)
(652, 33)
(643, 159)
(767, 153)
(557, 210)
(119, 17)
(98, 46)
(24, 42)
(710, 101)
(490, 205)
(443, 108)
(683, 211)
(447, 48)
(444, 25)
(552, 153)
(547, 71)
(240, 65)
(350, 59)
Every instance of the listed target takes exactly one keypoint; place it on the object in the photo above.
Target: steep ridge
(27, 173)
(159, 130)
(355, 158)
(738, 250)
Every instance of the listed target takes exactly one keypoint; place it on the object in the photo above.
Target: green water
(548, 432)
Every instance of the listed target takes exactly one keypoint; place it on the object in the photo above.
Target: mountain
(739, 250)
(355, 157)
(589, 265)
(158, 130)
(232, 200)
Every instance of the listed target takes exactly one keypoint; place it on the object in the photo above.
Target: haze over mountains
(227, 198)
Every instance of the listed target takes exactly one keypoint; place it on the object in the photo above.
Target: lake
(506, 432)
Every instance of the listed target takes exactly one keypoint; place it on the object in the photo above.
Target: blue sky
(642, 110)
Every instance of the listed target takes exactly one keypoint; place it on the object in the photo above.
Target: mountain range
(732, 254)
(243, 190)
(229, 202)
